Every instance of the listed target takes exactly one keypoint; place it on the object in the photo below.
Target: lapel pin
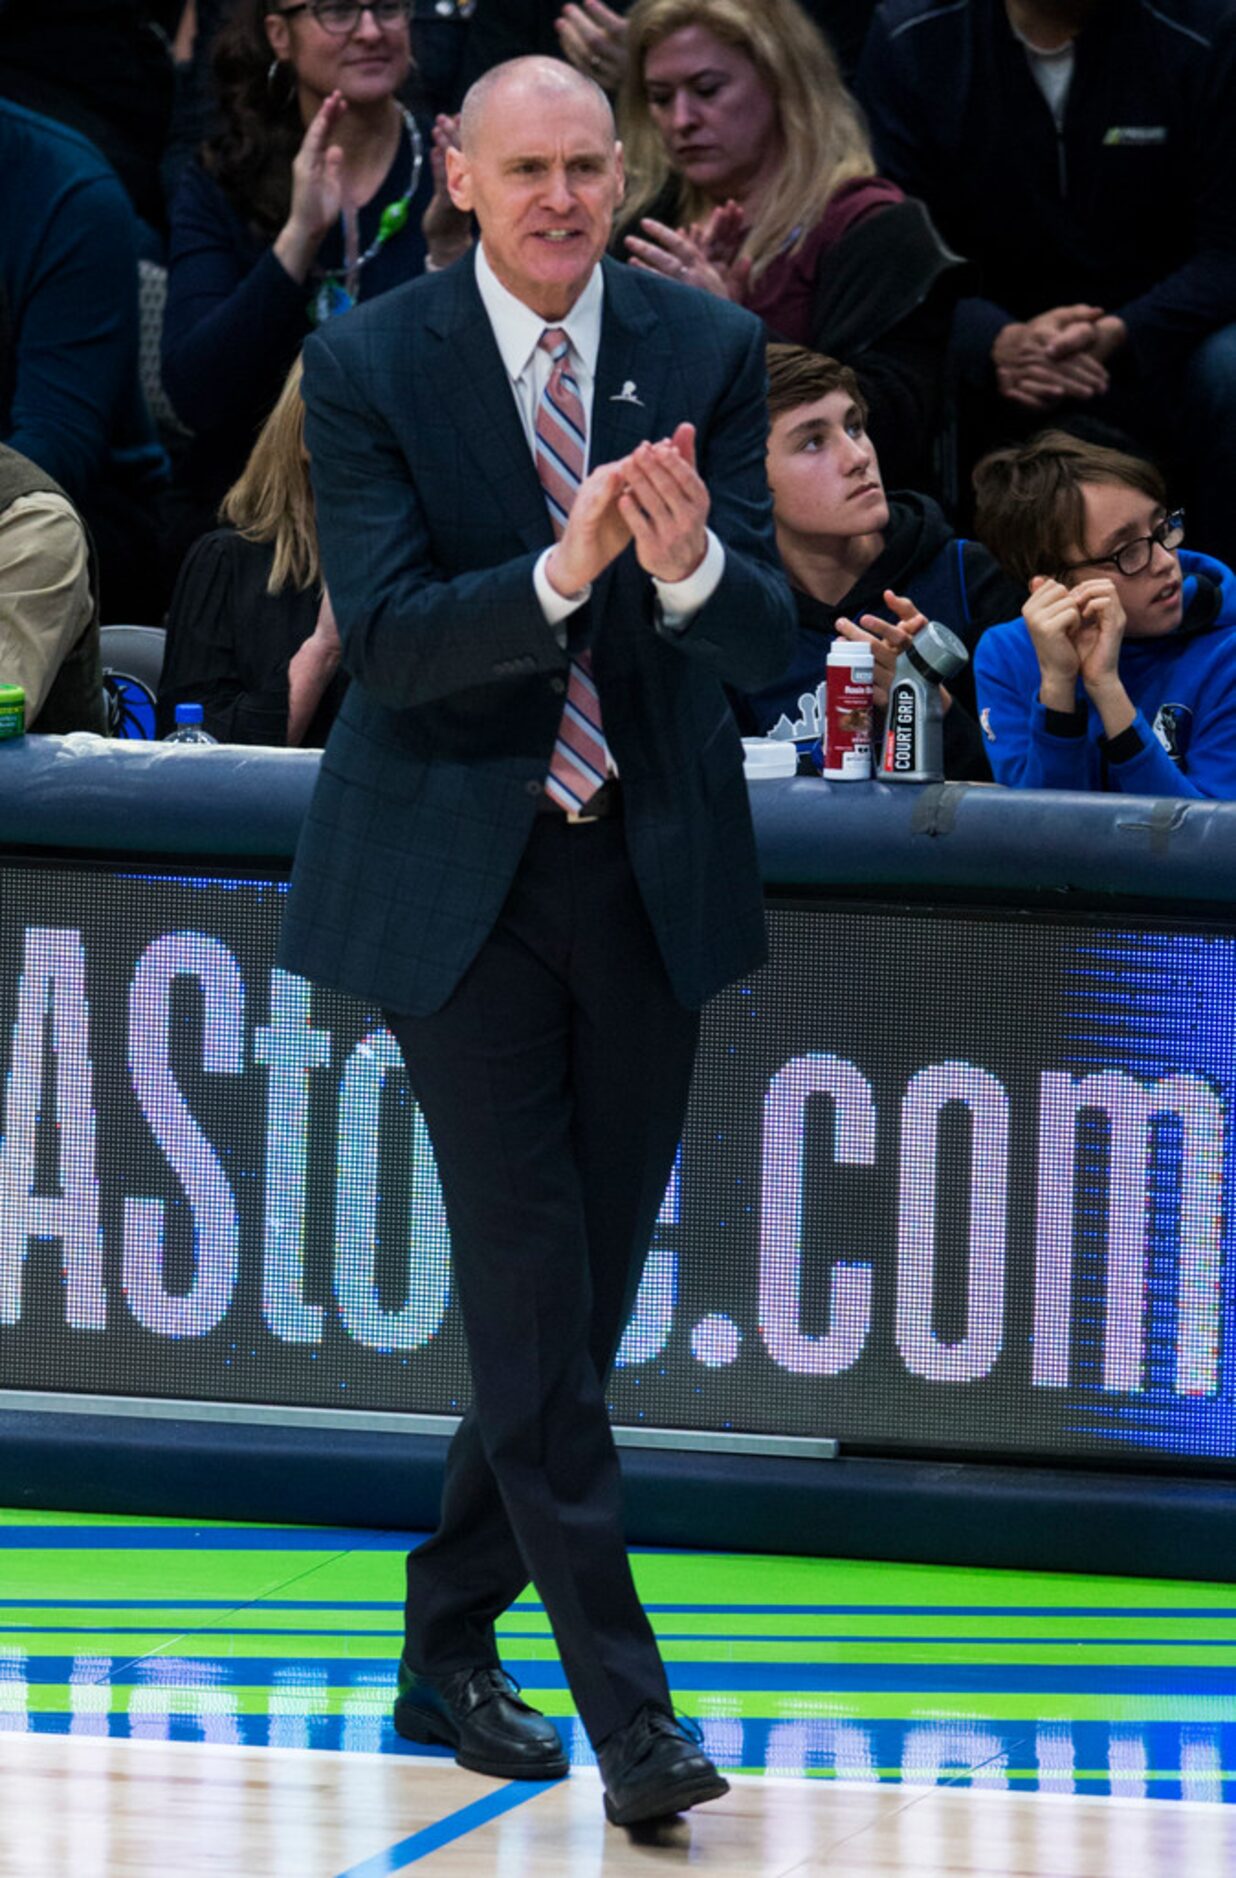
(627, 395)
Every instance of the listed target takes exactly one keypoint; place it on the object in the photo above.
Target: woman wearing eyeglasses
(1121, 672)
(318, 189)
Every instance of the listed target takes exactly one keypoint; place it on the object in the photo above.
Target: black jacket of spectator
(950, 579)
(229, 645)
(1132, 207)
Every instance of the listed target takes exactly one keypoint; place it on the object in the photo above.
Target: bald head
(541, 170)
(535, 83)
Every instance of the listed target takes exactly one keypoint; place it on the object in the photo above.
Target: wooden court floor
(180, 1699)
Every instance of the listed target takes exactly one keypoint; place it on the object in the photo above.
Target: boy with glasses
(1121, 672)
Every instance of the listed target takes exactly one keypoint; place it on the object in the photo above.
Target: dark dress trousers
(543, 979)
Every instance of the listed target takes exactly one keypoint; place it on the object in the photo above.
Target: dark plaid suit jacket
(431, 518)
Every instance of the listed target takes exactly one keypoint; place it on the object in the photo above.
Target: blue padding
(88, 792)
(85, 793)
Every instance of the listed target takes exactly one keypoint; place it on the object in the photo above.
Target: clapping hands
(594, 38)
(1077, 632)
(655, 497)
(706, 254)
(887, 641)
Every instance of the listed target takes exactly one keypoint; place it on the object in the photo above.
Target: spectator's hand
(311, 670)
(886, 641)
(1099, 639)
(1100, 634)
(665, 505)
(1053, 620)
(1110, 334)
(317, 190)
(720, 238)
(596, 531)
(1028, 373)
(676, 253)
(1067, 329)
(447, 230)
(594, 39)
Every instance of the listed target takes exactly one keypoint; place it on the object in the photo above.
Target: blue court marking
(344, 1606)
(933, 1610)
(1191, 1612)
(192, 1538)
(429, 1839)
(207, 1672)
(818, 1638)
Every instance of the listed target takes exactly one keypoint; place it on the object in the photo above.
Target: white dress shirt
(517, 330)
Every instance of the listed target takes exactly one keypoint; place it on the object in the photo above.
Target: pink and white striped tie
(580, 760)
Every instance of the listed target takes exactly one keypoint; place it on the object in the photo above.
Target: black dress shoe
(478, 1713)
(655, 1767)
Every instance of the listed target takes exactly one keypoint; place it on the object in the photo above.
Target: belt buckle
(601, 796)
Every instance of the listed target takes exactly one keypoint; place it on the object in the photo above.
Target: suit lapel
(472, 381)
(628, 394)
(631, 369)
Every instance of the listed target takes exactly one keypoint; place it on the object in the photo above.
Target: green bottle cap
(12, 711)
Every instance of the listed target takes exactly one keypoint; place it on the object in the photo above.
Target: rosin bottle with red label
(849, 678)
(914, 724)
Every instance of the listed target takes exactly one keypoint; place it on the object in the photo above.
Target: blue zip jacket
(1182, 741)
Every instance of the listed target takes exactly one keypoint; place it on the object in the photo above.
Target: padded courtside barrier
(82, 792)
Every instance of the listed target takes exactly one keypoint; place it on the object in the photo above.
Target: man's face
(1115, 516)
(823, 472)
(543, 176)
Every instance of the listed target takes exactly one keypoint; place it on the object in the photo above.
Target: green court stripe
(239, 1577)
(726, 1578)
(11, 1516)
(330, 1647)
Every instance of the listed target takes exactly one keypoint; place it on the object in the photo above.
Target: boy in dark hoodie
(1121, 672)
(855, 553)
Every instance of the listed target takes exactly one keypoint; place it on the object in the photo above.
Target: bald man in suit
(547, 537)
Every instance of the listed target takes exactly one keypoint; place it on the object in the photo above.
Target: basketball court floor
(183, 1698)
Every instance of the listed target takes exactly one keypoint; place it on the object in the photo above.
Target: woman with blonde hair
(250, 634)
(751, 176)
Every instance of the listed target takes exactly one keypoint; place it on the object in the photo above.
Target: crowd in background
(992, 243)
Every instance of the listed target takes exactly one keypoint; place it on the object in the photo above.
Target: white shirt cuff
(681, 598)
(555, 606)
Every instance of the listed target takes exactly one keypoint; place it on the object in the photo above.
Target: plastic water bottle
(189, 726)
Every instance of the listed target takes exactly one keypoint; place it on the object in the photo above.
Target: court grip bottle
(914, 724)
